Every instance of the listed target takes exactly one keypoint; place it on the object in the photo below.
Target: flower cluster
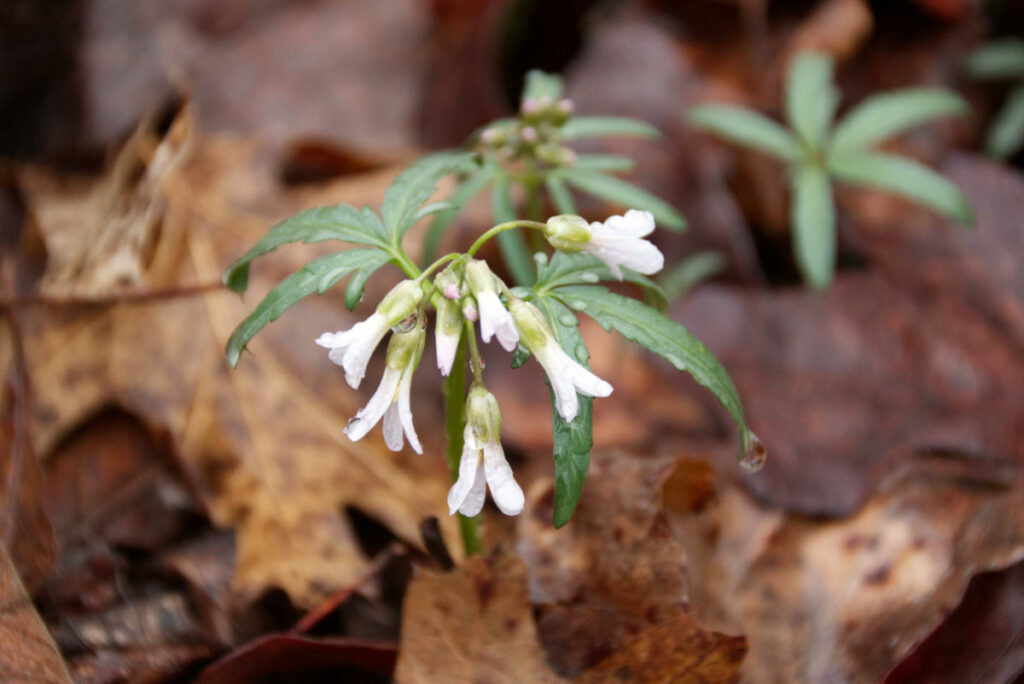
(536, 133)
(466, 293)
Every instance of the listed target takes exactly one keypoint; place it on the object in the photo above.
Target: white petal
(393, 428)
(587, 383)
(494, 317)
(370, 415)
(474, 502)
(446, 345)
(405, 411)
(635, 223)
(351, 349)
(507, 494)
(463, 495)
(554, 361)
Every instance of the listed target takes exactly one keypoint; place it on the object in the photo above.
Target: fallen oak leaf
(27, 652)
(264, 442)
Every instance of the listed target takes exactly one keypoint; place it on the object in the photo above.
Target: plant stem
(474, 353)
(500, 228)
(455, 423)
(534, 210)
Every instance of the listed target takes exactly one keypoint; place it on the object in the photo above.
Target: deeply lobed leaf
(339, 222)
(413, 187)
(578, 268)
(654, 331)
(620, 192)
(748, 128)
(814, 225)
(903, 177)
(318, 276)
(885, 115)
(607, 126)
(572, 441)
(811, 98)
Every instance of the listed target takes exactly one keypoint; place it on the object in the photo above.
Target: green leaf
(471, 186)
(1006, 134)
(578, 268)
(903, 177)
(604, 162)
(561, 195)
(654, 331)
(572, 441)
(747, 128)
(541, 84)
(520, 356)
(814, 225)
(885, 115)
(513, 247)
(339, 222)
(811, 98)
(682, 277)
(1000, 59)
(317, 276)
(605, 126)
(622, 193)
(413, 187)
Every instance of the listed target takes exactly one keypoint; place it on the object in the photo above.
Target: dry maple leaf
(264, 442)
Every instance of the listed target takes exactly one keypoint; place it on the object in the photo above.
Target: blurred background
(166, 518)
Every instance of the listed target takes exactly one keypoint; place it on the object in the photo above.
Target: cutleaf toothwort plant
(1003, 60)
(530, 151)
(464, 292)
(817, 152)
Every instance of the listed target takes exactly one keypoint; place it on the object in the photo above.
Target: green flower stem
(501, 228)
(455, 423)
(534, 208)
(474, 353)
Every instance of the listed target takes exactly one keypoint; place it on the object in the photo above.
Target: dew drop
(541, 258)
(582, 353)
(676, 361)
(568, 319)
(589, 277)
(754, 457)
(578, 304)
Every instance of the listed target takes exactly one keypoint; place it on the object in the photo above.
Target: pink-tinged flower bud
(529, 106)
(528, 134)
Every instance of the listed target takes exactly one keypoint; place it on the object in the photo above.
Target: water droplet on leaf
(676, 361)
(582, 353)
(755, 455)
(568, 319)
(541, 258)
(589, 277)
(578, 304)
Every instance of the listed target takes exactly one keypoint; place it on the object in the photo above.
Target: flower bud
(401, 301)
(567, 232)
(555, 155)
(470, 310)
(528, 134)
(447, 333)
(405, 348)
(483, 414)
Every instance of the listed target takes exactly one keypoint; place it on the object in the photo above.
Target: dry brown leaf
(845, 600)
(674, 651)
(27, 652)
(266, 439)
(473, 624)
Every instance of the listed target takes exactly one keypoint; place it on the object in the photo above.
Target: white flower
(351, 349)
(566, 375)
(447, 333)
(617, 242)
(391, 400)
(483, 461)
(495, 320)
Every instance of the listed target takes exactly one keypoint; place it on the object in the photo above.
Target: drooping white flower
(567, 376)
(617, 242)
(495, 320)
(447, 333)
(391, 400)
(483, 461)
(351, 349)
